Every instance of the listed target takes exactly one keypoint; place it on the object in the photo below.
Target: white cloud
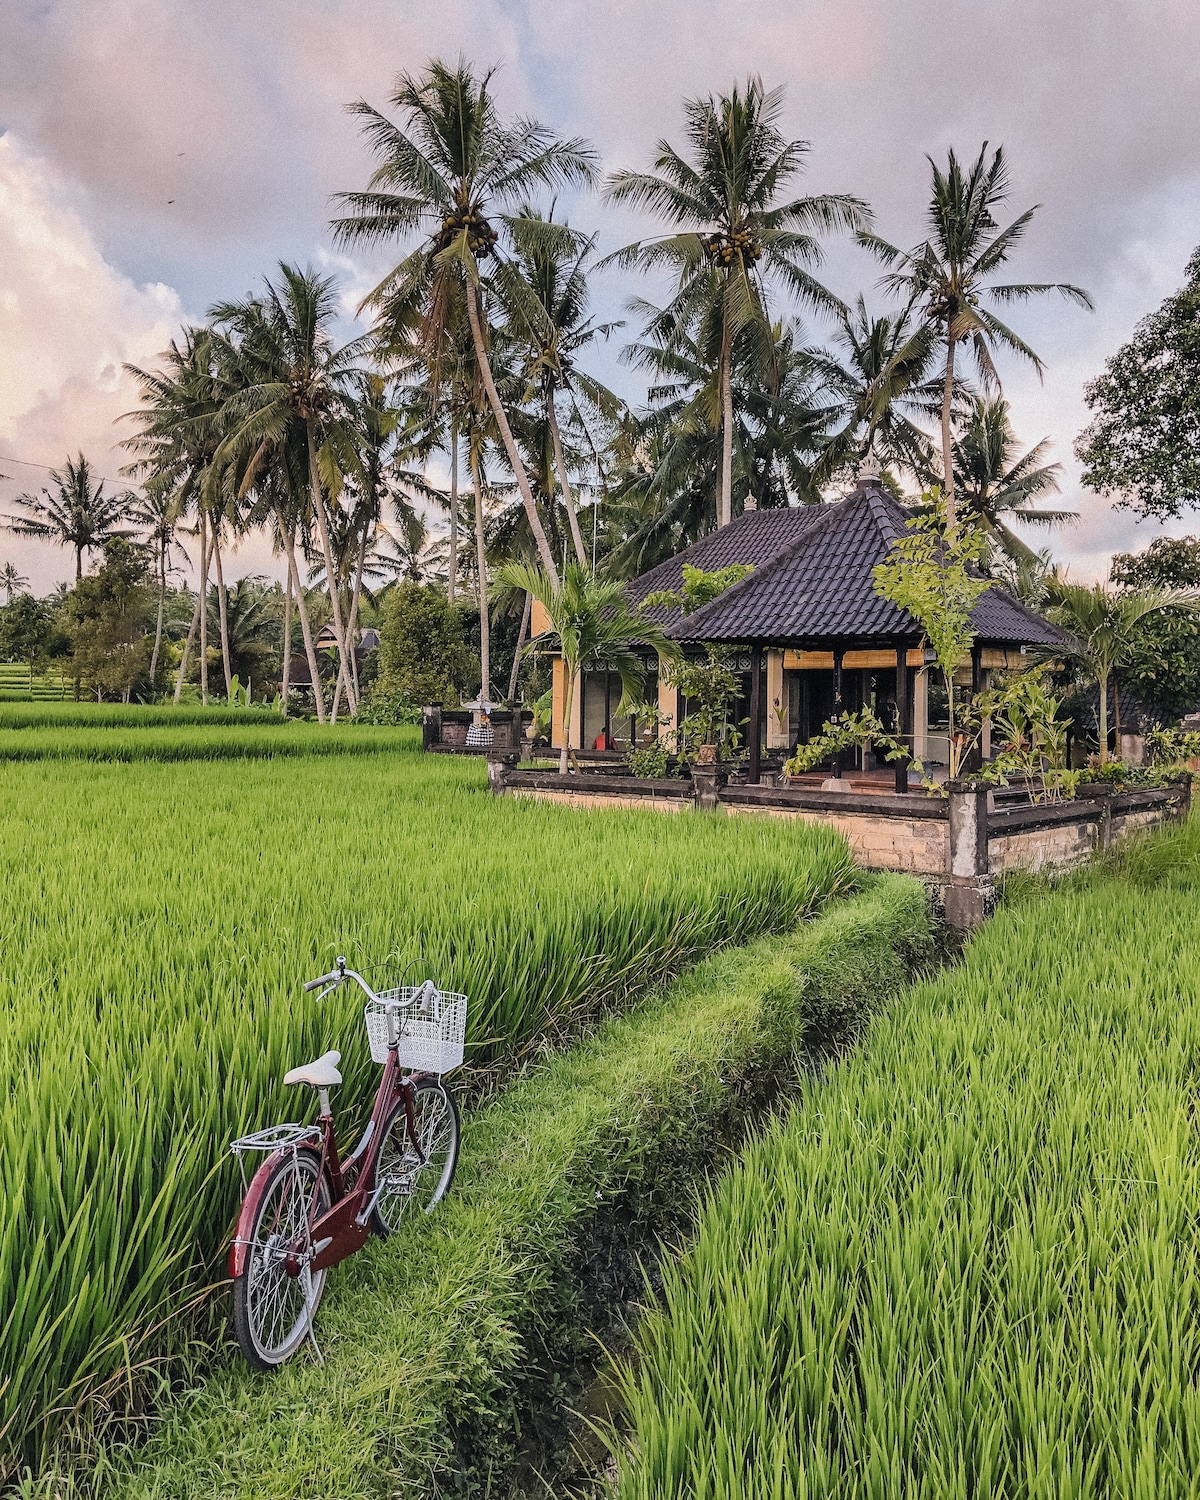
(69, 321)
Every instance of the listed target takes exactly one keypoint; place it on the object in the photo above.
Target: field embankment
(445, 1346)
(159, 920)
(967, 1264)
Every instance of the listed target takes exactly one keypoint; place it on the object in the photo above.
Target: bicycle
(304, 1209)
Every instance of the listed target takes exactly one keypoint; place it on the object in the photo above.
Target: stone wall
(957, 843)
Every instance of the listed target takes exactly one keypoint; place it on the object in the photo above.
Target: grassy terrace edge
(967, 1263)
(432, 1338)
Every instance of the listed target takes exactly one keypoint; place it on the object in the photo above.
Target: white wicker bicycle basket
(431, 1041)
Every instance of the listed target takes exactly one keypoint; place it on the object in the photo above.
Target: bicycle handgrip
(315, 984)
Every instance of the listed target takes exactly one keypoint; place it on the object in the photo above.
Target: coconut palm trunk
(306, 630)
(506, 437)
(725, 493)
(339, 629)
(947, 435)
(222, 611)
(566, 755)
(206, 556)
(564, 483)
(286, 683)
(191, 635)
(162, 600)
(485, 645)
(521, 634)
(450, 582)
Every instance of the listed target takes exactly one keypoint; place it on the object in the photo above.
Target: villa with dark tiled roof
(809, 633)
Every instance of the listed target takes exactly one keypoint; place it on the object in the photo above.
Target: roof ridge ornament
(870, 470)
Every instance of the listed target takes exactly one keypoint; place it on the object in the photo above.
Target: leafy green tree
(933, 573)
(423, 656)
(73, 511)
(732, 233)
(1142, 445)
(1163, 669)
(597, 631)
(26, 625)
(1104, 625)
(443, 175)
(107, 619)
(949, 277)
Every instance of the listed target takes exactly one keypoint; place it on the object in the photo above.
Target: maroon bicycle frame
(345, 1226)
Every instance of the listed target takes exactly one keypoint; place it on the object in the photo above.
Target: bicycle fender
(254, 1193)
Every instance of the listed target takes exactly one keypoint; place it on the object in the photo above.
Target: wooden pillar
(837, 702)
(903, 714)
(975, 758)
(756, 711)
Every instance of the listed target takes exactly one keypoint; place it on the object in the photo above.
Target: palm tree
(994, 480)
(181, 426)
(1103, 623)
(442, 175)
(733, 235)
(597, 631)
(72, 512)
(949, 275)
(158, 514)
(11, 582)
(545, 295)
(877, 377)
(299, 387)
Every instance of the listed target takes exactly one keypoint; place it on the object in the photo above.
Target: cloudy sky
(156, 155)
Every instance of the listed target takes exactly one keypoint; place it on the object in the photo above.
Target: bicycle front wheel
(272, 1310)
(416, 1176)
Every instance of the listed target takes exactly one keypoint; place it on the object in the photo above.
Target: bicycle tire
(273, 1312)
(408, 1184)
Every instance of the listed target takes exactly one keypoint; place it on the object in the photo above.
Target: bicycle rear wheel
(272, 1311)
(407, 1182)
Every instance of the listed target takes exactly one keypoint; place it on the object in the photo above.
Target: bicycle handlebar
(315, 984)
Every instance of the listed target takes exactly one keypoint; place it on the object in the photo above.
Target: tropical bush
(158, 925)
(967, 1263)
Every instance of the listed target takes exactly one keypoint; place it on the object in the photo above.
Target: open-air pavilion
(808, 633)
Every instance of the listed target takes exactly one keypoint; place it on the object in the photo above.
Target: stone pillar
(1182, 787)
(1100, 792)
(921, 714)
(499, 767)
(704, 787)
(431, 725)
(968, 893)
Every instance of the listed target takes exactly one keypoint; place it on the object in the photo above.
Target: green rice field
(968, 1264)
(159, 917)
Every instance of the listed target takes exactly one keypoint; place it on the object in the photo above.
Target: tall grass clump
(967, 1265)
(159, 920)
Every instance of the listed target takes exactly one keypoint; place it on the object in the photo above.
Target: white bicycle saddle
(319, 1074)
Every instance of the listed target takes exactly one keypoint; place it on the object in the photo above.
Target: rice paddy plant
(967, 1265)
(67, 714)
(230, 739)
(159, 920)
